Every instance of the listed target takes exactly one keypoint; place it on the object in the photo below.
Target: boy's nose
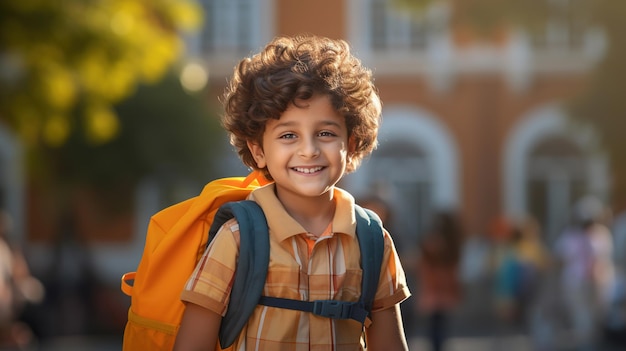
(309, 148)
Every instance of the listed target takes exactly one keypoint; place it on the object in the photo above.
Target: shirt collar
(283, 226)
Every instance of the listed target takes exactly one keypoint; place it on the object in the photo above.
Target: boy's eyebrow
(293, 123)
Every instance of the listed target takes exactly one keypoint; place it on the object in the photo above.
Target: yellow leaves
(140, 48)
(122, 23)
(81, 52)
(103, 78)
(56, 130)
(102, 124)
(120, 82)
(187, 14)
(155, 60)
(91, 69)
(58, 88)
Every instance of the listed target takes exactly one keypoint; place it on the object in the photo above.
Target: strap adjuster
(332, 309)
(325, 308)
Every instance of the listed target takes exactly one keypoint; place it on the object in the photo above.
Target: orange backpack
(175, 241)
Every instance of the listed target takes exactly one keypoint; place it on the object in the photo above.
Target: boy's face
(306, 150)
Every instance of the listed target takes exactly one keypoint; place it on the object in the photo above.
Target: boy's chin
(309, 191)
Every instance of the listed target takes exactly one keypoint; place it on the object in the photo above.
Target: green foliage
(90, 88)
(163, 129)
(80, 57)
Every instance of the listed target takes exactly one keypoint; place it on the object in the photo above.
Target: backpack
(178, 236)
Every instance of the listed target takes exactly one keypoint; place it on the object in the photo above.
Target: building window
(401, 172)
(556, 180)
(565, 26)
(393, 29)
(230, 28)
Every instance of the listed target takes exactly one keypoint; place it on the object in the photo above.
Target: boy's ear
(351, 145)
(257, 152)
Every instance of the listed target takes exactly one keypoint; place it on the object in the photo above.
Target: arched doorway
(415, 169)
(550, 163)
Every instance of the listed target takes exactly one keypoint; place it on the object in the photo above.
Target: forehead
(316, 110)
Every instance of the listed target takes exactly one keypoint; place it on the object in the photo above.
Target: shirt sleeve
(211, 282)
(392, 286)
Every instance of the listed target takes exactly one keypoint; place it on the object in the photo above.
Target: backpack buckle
(332, 309)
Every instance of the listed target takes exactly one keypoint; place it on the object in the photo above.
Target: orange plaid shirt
(330, 270)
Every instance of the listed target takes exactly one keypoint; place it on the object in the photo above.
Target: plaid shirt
(301, 269)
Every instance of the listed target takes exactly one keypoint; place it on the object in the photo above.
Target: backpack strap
(371, 243)
(252, 265)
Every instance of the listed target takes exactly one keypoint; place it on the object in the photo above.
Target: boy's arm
(198, 329)
(386, 331)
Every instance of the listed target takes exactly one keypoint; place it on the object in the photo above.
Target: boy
(304, 112)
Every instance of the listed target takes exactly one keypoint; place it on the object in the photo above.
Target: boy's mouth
(307, 170)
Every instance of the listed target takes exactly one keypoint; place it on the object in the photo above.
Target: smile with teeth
(308, 170)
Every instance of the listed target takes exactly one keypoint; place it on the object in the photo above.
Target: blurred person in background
(505, 269)
(18, 288)
(585, 254)
(72, 283)
(519, 280)
(535, 260)
(616, 318)
(440, 289)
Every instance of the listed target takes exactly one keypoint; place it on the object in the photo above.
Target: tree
(69, 58)
(164, 131)
(91, 89)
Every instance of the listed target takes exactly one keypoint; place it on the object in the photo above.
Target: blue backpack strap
(252, 265)
(371, 243)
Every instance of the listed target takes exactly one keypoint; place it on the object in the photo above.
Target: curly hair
(292, 69)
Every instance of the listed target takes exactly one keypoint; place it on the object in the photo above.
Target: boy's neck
(313, 213)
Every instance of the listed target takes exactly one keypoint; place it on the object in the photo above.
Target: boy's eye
(326, 133)
(287, 136)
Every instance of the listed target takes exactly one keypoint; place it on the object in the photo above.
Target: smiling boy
(305, 112)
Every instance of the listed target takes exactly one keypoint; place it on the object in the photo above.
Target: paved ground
(457, 344)
(416, 343)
